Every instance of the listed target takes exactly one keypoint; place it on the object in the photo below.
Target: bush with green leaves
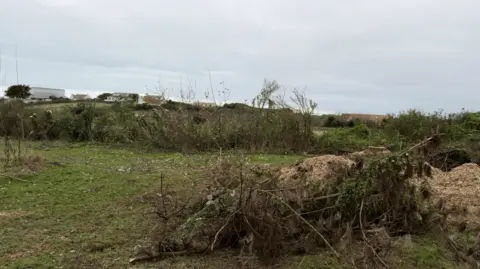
(470, 120)
(178, 128)
(19, 91)
(414, 126)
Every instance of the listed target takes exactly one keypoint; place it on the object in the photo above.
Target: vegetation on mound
(207, 129)
(269, 124)
(268, 212)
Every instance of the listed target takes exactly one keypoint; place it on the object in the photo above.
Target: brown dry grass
(22, 166)
(33, 163)
(461, 185)
(320, 168)
(35, 250)
(459, 191)
(13, 214)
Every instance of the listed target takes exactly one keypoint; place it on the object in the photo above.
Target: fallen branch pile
(325, 201)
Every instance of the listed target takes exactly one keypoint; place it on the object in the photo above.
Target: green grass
(85, 200)
(88, 200)
(427, 252)
(83, 210)
(427, 255)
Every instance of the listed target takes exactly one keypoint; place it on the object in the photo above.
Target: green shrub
(143, 106)
(413, 126)
(471, 120)
(185, 127)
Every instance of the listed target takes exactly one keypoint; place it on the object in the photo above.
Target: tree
(307, 108)
(265, 98)
(104, 96)
(304, 105)
(18, 91)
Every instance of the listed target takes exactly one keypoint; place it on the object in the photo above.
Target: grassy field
(84, 209)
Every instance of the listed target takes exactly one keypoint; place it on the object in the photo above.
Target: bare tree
(212, 91)
(266, 97)
(160, 90)
(304, 105)
(281, 100)
(223, 93)
(189, 95)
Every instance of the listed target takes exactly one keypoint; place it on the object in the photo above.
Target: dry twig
(365, 237)
(223, 227)
(306, 222)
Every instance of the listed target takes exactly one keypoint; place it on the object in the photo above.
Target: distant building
(363, 117)
(80, 96)
(120, 97)
(151, 100)
(40, 93)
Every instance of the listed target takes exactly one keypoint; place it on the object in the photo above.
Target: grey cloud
(371, 56)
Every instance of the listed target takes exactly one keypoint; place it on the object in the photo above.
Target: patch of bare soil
(13, 214)
(35, 250)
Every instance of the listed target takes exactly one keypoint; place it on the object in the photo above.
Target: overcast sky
(364, 56)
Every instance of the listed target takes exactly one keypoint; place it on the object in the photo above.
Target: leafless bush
(266, 211)
(12, 130)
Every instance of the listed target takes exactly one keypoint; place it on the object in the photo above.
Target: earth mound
(268, 211)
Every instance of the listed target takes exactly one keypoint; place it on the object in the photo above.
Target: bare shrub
(269, 211)
(12, 130)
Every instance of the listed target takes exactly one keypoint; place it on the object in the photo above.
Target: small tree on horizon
(19, 91)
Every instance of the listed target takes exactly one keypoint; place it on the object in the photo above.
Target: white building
(80, 97)
(46, 93)
(119, 97)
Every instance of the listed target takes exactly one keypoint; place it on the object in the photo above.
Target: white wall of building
(44, 93)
